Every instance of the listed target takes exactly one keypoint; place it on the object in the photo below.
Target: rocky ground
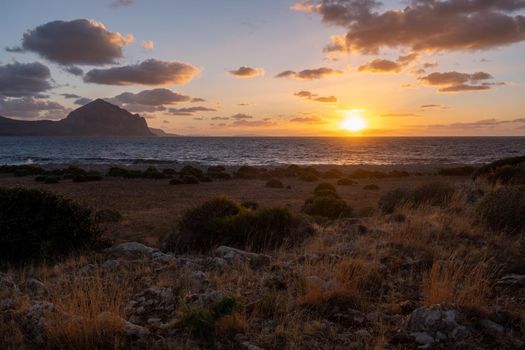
(425, 278)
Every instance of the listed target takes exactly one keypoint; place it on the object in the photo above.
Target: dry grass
(455, 281)
(97, 302)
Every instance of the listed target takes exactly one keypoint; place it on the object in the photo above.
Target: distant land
(97, 118)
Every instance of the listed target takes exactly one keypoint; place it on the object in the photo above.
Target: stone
(513, 280)
(87, 268)
(130, 329)
(233, 255)
(423, 338)
(111, 265)
(132, 250)
(36, 287)
(491, 327)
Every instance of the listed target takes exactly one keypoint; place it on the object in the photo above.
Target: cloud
(247, 72)
(432, 106)
(399, 115)
(121, 3)
(82, 101)
(308, 120)
(24, 79)
(154, 97)
(254, 123)
(197, 99)
(31, 108)
(148, 72)
(79, 41)
(74, 70)
(147, 44)
(458, 82)
(241, 116)
(480, 124)
(310, 74)
(381, 66)
(437, 25)
(189, 110)
(314, 97)
(69, 96)
(220, 118)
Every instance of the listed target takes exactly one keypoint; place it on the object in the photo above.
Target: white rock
(233, 255)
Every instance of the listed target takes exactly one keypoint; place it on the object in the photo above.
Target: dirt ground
(150, 208)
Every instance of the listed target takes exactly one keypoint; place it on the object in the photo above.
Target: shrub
(503, 209)
(500, 170)
(432, 193)
(250, 205)
(327, 205)
(274, 183)
(216, 169)
(190, 180)
(189, 170)
(371, 187)
(121, 172)
(152, 173)
(390, 200)
(47, 179)
(324, 187)
(363, 174)
(346, 182)
(250, 172)
(201, 322)
(458, 171)
(205, 178)
(223, 222)
(86, 178)
(22, 170)
(37, 225)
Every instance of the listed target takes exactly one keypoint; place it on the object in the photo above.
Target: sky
(272, 67)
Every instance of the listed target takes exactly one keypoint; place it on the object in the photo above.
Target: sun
(354, 120)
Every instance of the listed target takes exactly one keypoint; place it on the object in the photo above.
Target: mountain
(97, 118)
(162, 133)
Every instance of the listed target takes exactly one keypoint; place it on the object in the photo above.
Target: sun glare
(354, 120)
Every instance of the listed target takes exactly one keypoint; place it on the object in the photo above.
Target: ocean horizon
(259, 150)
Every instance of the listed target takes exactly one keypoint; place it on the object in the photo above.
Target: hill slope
(97, 118)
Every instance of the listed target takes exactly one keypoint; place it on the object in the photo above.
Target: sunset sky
(272, 67)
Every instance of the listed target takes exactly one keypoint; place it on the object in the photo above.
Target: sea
(261, 151)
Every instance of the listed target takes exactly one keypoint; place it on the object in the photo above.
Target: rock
(36, 287)
(87, 268)
(244, 344)
(6, 282)
(130, 329)
(132, 250)
(233, 255)
(275, 281)
(513, 281)
(491, 327)
(199, 280)
(423, 338)
(111, 265)
(438, 322)
(154, 302)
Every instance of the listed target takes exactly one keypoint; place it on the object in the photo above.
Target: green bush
(250, 172)
(346, 182)
(250, 205)
(332, 174)
(200, 321)
(274, 183)
(503, 209)
(390, 200)
(224, 222)
(189, 170)
(328, 205)
(500, 170)
(324, 187)
(432, 193)
(190, 180)
(37, 225)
